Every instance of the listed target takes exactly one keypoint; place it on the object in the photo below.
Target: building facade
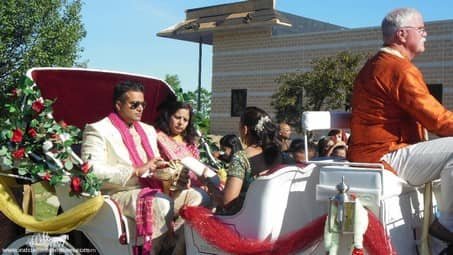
(247, 60)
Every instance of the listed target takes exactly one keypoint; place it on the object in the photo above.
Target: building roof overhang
(201, 23)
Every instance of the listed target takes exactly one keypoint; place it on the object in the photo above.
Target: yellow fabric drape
(62, 223)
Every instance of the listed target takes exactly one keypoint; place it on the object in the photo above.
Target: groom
(123, 149)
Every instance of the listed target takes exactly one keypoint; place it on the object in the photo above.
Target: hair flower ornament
(260, 125)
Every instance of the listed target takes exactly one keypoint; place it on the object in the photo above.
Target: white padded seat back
(323, 120)
(265, 203)
(275, 205)
(366, 183)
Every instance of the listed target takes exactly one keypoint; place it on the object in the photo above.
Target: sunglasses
(135, 104)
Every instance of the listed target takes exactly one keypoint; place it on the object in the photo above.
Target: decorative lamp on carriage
(341, 210)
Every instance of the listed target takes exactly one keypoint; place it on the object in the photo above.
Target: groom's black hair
(119, 93)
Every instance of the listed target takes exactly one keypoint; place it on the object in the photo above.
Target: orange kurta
(391, 104)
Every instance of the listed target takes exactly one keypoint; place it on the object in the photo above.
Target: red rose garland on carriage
(35, 146)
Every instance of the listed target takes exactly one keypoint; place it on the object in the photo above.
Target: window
(238, 101)
(436, 90)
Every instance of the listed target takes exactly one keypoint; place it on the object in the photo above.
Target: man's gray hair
(396, 19)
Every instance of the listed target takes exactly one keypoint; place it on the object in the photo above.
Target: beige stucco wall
(254, 59)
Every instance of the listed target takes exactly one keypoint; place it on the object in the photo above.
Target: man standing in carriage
(124, 150)
(391, 107)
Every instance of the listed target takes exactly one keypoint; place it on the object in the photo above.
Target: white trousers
(426, 161)
(164, 210)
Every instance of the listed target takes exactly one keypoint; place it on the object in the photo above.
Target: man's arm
(95, 147)
(414, 97)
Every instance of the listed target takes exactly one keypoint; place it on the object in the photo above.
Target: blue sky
(121, 34)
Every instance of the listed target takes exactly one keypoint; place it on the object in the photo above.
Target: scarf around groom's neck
(144, 212)
(128, 140)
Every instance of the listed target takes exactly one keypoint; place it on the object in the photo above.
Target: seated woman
(229, 144)
(176, 140)
(176, 134)
(261, 154)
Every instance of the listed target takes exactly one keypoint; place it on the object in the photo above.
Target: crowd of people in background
(331, 146)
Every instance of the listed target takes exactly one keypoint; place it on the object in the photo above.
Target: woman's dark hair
(262, 132)
(323, 146)
(231, 141)
(167, 110)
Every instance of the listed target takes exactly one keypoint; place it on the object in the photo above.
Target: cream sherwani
(103, 144)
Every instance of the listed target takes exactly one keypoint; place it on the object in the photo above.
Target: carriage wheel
(40, 244)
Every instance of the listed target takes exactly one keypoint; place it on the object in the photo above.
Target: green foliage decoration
(34, 146)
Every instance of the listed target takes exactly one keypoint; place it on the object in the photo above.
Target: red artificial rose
(17, 136)
(76, 184)
(15, 92)
(20, 153)
(86, 167)
(357, 251)
(54, 136)
(37, 106)
(32, 132)
(47, 177)
(63, 124)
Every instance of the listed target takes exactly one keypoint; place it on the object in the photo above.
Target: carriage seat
(367, 181)
(108, 230)
(397, 204)
(370, 185)
(273, 207)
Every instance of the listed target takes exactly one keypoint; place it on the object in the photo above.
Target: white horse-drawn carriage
(293, 197)
(281, 209)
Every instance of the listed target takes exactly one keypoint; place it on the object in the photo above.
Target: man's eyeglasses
(420, 30)
(135, 104)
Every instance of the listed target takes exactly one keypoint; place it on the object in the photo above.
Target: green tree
(202, 118)
(37, 33)
(328, 86)
(175, 83)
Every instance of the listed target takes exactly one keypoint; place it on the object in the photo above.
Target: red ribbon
(208, 226)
